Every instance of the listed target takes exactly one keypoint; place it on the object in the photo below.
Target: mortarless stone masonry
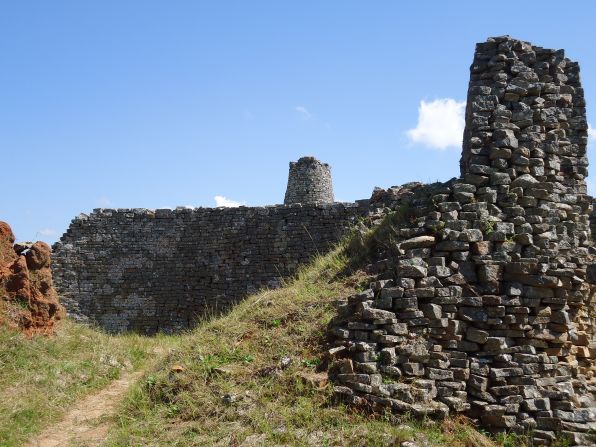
(149, 271)
(484, 306)
(309, 181)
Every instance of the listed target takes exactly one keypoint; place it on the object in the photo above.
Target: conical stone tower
(309, 181)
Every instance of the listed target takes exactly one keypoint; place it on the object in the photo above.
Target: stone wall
(481, 300)
(137, 269)
(483, 303)
(309, 181)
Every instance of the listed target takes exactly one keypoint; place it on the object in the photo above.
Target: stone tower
(487, 307)
(525, 143)
(309, 181)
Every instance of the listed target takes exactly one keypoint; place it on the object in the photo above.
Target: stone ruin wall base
(150, 271)
(485, 304)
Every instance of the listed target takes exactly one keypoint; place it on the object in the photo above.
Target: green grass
(222, 384)
(41, 376)
(222, 387)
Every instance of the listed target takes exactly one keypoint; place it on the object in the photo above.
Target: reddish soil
(28, 299)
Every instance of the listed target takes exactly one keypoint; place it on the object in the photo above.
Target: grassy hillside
(40, 377)
(250, 378)
(253, 377)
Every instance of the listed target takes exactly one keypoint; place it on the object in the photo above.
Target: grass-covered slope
(253, 377)
(42, 376)
(250, 378)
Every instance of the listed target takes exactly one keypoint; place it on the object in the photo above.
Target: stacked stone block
(483, 305)
(149, 271)
(309, 182)
(481, 301)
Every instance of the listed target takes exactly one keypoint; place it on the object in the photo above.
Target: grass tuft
(226, 384)
(41, 376)
(254, 376)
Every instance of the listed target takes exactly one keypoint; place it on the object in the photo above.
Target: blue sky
(172, 103)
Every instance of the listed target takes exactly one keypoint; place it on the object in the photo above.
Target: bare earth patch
(87, 423)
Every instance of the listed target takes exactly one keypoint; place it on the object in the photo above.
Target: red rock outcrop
(27, 296)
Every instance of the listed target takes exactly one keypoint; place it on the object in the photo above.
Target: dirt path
(87, 423)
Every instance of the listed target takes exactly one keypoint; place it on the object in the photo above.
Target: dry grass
(222, 385)
(225, 385)
(41, 376)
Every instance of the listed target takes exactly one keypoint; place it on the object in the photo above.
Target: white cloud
(591, 132)
(104, 202)
(303, 112)
(227, 203)
(47, 232)
(591, 184)
(440, 123)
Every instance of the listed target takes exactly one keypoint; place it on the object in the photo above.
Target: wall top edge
(98, 212)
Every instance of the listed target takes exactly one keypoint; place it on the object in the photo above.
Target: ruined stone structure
(149, 271)
(483, 304)
(145, 270)
(481, 301)
(309, 181)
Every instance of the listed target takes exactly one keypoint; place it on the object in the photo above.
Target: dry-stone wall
(137, 269)
(482, 295)
(309, 181)
(483, 303)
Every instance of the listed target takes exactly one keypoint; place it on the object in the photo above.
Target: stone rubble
(483, 298)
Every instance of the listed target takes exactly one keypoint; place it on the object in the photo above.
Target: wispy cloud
(440, 124)
(591, 132)
(591, 184)
(227, 203)
(104, 202)
(303, 112)
(47, 232)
